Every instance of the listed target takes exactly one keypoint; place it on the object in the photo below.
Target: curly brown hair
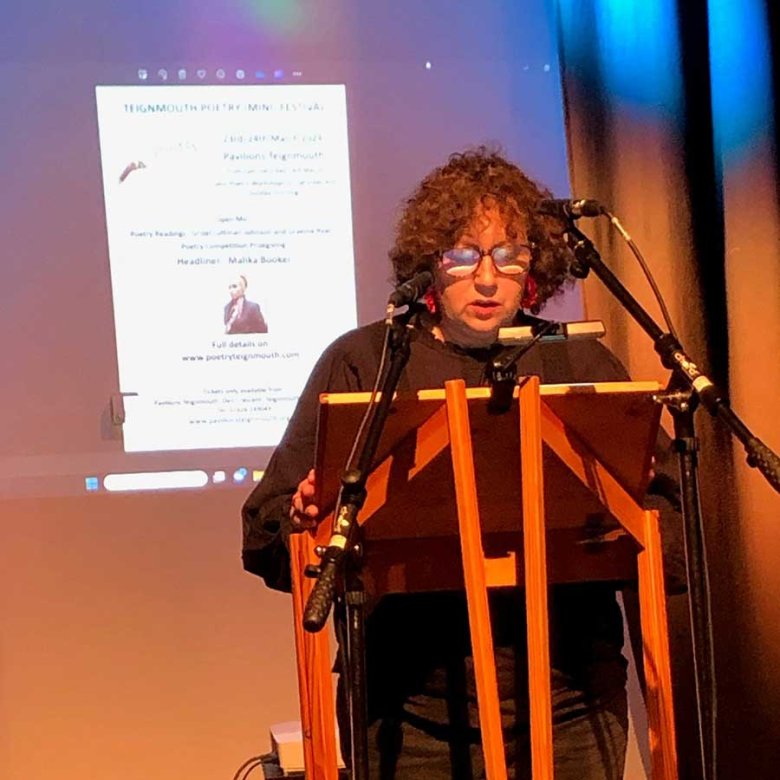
(442, 208)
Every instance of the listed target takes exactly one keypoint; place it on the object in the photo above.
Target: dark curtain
(672, 122)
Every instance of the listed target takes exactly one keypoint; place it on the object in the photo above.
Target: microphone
(411, 290)
(570, 208)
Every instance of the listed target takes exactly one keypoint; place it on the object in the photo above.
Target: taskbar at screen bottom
(94, 483)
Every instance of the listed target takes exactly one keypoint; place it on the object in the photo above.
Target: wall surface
(132, 644)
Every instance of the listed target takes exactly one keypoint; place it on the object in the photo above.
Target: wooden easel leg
(535, 556)
(315, 689)
(655, 639)
(475, 580)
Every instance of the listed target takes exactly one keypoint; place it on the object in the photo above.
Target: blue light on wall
(740, 74)
(638, 49)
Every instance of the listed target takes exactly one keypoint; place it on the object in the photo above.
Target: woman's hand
(303, 513)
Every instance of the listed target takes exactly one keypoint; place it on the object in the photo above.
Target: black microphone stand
(687, 388)
(339, 572)
(501, 373)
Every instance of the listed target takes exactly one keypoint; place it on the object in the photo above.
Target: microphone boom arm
(674, 357)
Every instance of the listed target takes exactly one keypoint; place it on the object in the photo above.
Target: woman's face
(474, 307)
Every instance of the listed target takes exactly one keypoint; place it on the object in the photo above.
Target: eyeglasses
(511, 259)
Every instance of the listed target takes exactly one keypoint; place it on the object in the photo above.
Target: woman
(472, 223)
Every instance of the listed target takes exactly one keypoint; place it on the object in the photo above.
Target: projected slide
(230, 241)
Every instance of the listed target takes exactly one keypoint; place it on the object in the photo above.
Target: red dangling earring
(431, 302)
(530, 294)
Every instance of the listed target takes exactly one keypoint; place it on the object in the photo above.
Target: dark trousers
(435, 734)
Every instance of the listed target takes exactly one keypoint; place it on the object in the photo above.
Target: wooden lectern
(565, 468)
